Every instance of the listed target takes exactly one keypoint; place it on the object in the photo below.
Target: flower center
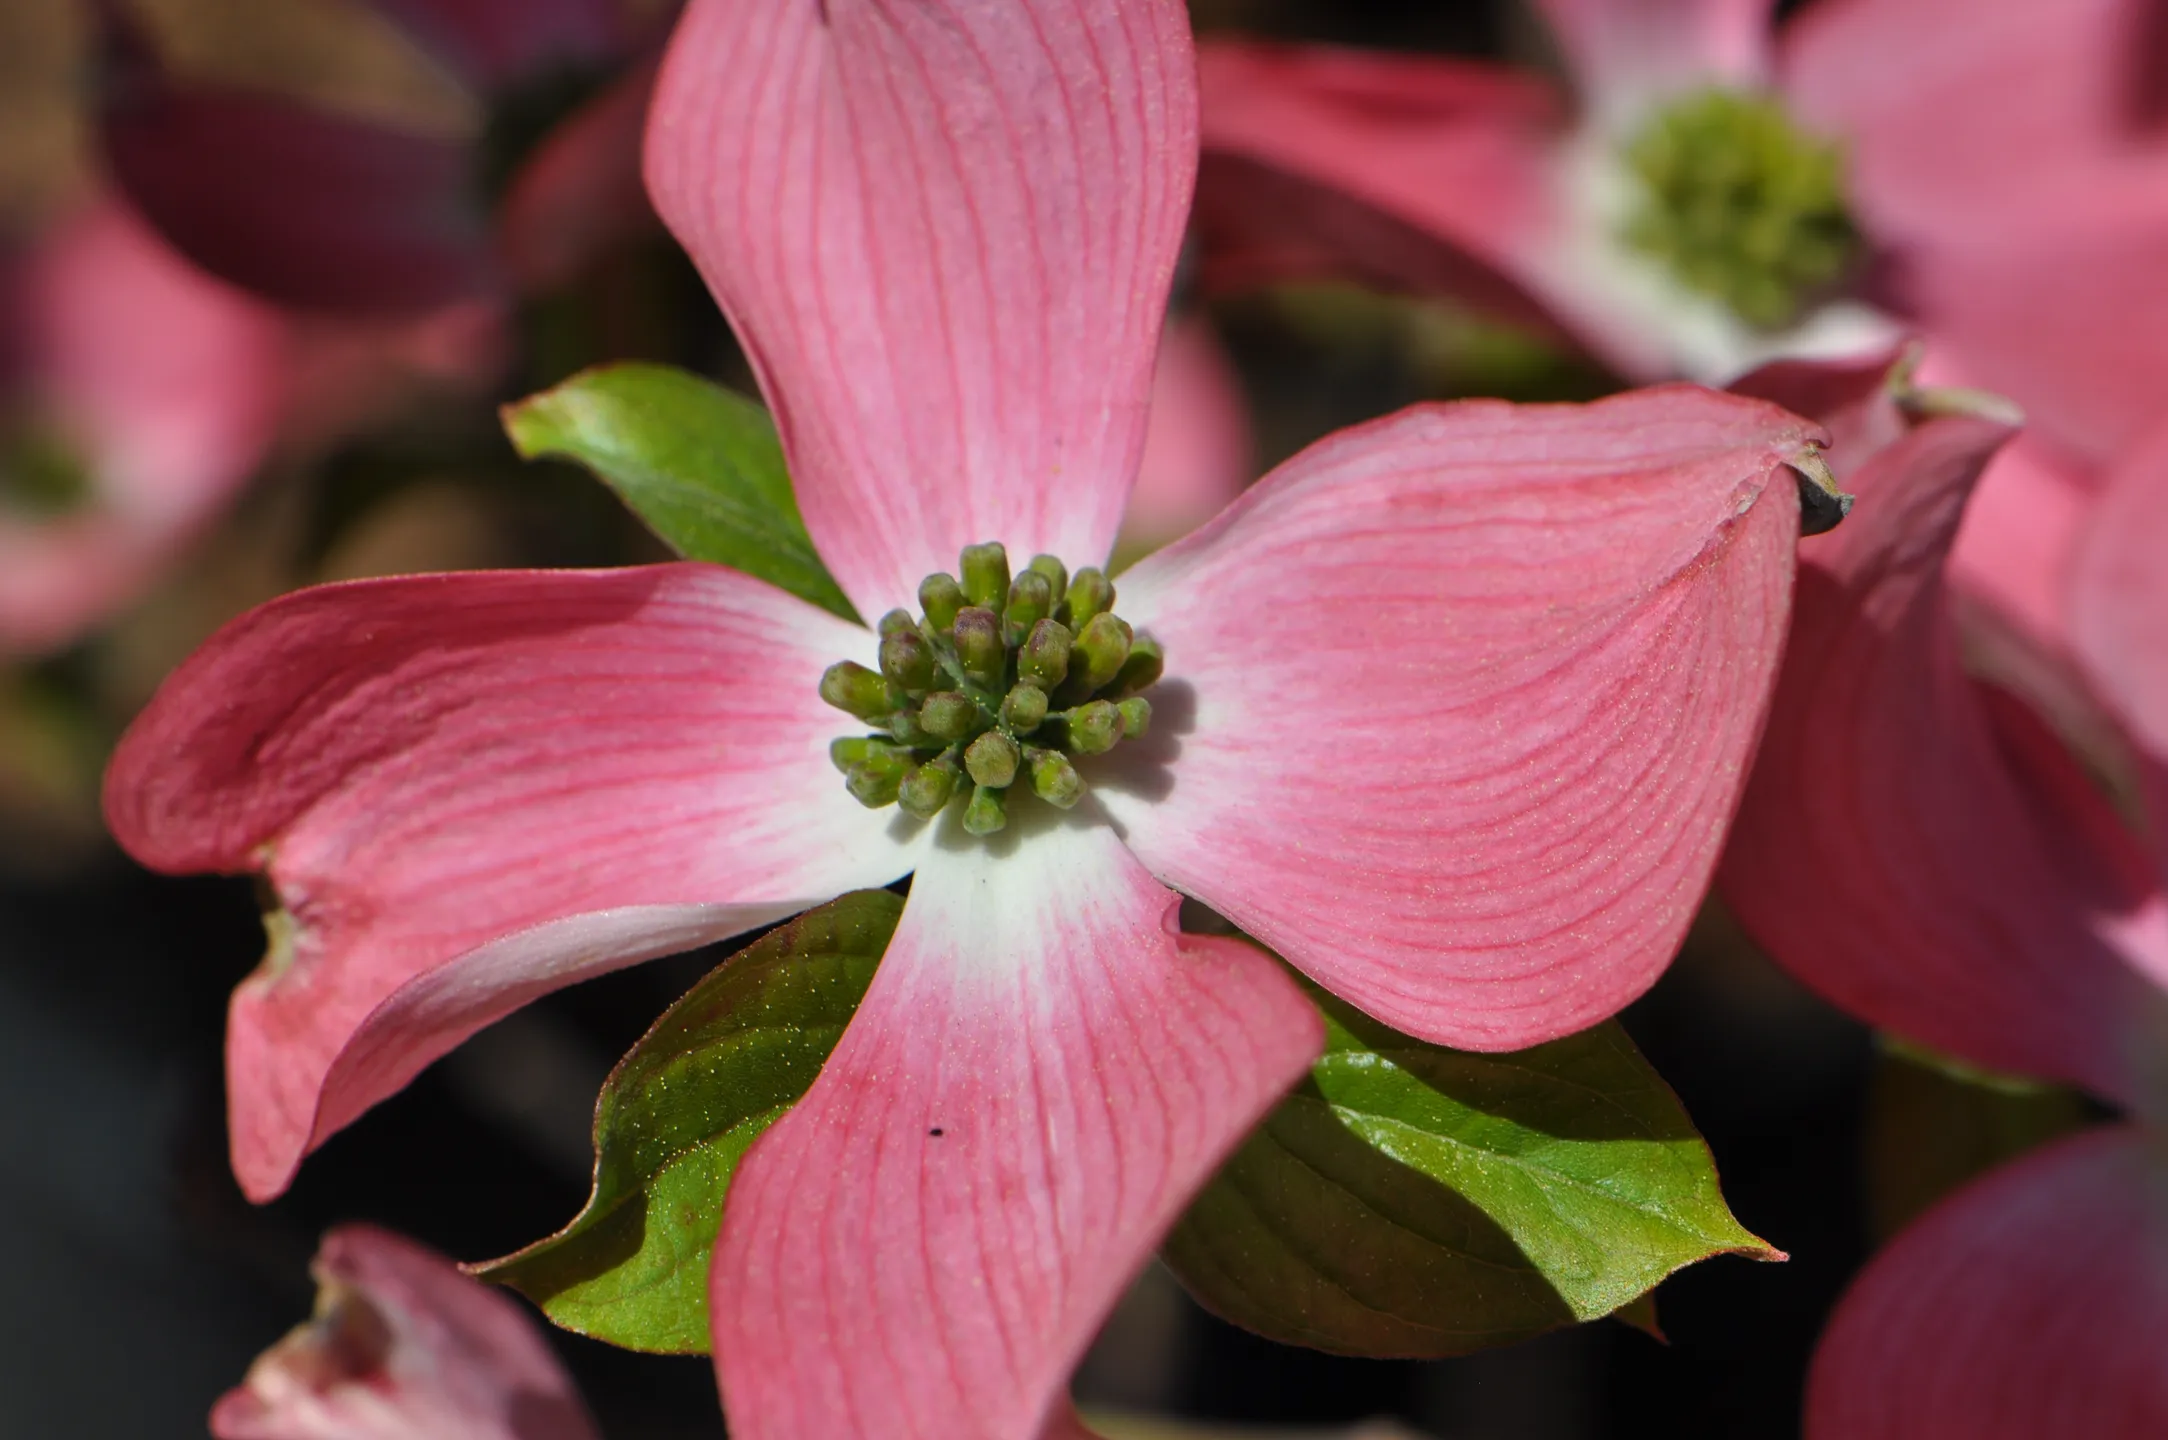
(40, 473)
(1000, 683)
(1741, 205)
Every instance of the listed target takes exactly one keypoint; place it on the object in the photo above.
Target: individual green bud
(851, 751)
(903, 726)
(876, 782)
(985, 569)
(1056, 573)
(1054, 779)
(1136, 713)
(940, 597)
(992, 760)
(1031, 600)
(985, 815)
(852, 688)
(926, 791)
(896, 622)
(1141, 671)
(1044, 658)
(979, 647)
(949, 716)
(1090, 593)
(1024, 709)
(1102, 647)
(908, 659)
(1094, 728)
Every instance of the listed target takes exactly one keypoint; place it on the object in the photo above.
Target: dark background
(139, 1284)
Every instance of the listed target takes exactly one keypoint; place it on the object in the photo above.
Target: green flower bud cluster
(1741, 205)
(1002, 682)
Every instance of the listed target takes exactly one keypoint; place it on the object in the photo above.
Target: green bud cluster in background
(1741, 205)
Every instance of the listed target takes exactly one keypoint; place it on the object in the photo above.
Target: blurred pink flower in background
(1455, 177)
(1997, 157)
(404, 1347)
(148, 391)
(1923, 850)
(144, 396)
(1531, 648)
(2003, 161)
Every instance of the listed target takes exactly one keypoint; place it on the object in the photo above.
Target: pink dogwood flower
(402, 1346)
(1623, 226)
(1986, 173)
(1725, 193)
(1971, 888)
(1450, 710)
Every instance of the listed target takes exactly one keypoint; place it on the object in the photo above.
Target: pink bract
(1000, 1139)
(2030, 1303)
(2006, 156)
(1992, 903)
(402, 1346)
(1456, 711)
(1923, 849)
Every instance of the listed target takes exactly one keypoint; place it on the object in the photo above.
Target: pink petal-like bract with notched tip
(1042, 1073)
(2032, 1303)
(404, 1347)
(1922, 853)
(165, 383)
(945, 232)
(469, 790)
(1626, 52)
(1421, 173)
(1460, 700)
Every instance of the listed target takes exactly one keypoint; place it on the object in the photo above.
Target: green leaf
(678, 1112)
(699, 463)
(1417, 1201)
